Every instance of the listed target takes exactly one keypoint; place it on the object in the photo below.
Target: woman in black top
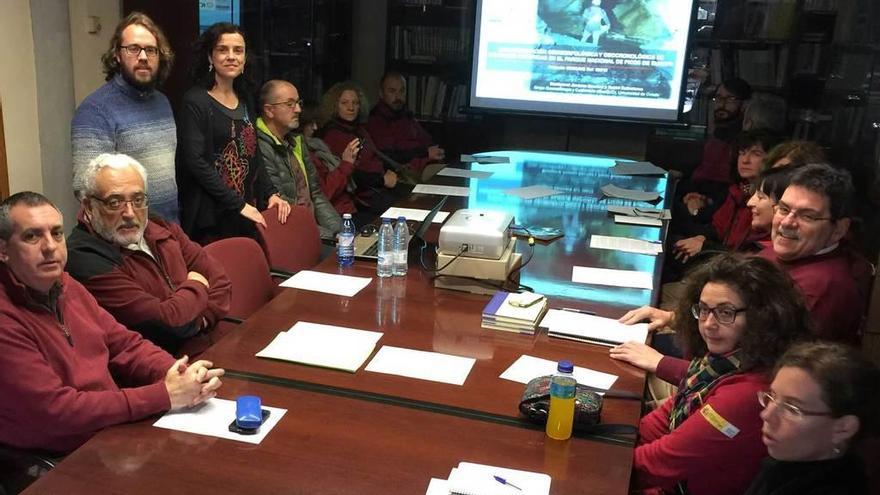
(822, 400)
(221, 178)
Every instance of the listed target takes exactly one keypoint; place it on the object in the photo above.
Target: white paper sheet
(626, 244)
(438, 487)
(648, 222)
(528, 367)
(423, 365)
(484, 159)
(213, 417)
(470, 174)
(636, 168)
(596, 329)
(327, 346)
(330, 283)
(442, 190)
(662, 214)
(479, 479)
(415, 214)
(532, 192)
(613, 278)
(613, 191)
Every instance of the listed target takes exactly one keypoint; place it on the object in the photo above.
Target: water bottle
(562, 391)
(345, 242)
(386, 249)
(401, 248)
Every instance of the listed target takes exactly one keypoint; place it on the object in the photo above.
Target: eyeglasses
(724, 314)
(799, 215)
(787, 410)
(135, 50)
(118, 203)
(287, 103)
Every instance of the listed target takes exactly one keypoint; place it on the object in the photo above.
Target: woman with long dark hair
(222, 182)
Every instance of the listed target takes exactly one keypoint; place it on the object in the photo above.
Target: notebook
(367, 247)
(479, 479)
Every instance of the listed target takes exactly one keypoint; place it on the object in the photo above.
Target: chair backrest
(294, 245)
(248, 272)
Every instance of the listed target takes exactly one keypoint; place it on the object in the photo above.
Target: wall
(87, 48)
(368, 44)
(18, 91)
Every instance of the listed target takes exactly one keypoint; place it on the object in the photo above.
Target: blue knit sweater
(119, 118)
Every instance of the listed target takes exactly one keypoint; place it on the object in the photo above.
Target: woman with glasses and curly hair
(223, 183)
(737, 317)
(822, 401)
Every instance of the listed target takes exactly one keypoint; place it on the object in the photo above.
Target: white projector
(485, 233)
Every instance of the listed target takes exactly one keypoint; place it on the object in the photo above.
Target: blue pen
(505, 482)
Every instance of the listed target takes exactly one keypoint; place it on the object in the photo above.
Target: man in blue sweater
(129, 115)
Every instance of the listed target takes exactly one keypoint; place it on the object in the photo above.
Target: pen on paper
(505, 482)
(581, 311)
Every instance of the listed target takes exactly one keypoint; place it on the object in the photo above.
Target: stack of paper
(613, 191)
(593, 329)
(502, 314)
(481, 479)
(636, 168)
(323, 345)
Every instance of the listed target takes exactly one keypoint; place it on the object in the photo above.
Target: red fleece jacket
(399, 135)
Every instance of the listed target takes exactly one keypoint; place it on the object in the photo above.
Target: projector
(485, 233)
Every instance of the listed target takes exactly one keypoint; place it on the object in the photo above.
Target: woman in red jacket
(334, 171)
(738, 316)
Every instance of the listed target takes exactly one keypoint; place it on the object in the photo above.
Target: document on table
(460, 172)
(636, 168)
(484, 159)
(613, 191)
(611, 277)
(479, 479)
(532, 192)
(442, 190)
(438, 487)
(423, 365)
(528, 367)
(628, 220)
(415, 214)
(662, 214)
(590, 328)
(639, 246)
(330, 283)
(212, 418)
(326, 346)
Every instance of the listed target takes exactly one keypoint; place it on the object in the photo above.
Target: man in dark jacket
(286, 157)
(146, 272)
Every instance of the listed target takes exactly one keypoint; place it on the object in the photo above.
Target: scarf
(702, 375)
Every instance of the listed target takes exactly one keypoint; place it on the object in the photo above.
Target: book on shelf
(513, 312)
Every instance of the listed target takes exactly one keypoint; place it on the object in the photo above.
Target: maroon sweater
(57, 392)
(399, 135)
(697, 452)
(733, 220)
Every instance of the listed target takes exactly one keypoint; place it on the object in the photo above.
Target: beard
(112, 234)
(141, 85)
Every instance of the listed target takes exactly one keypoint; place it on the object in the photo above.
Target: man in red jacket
(394, 130)
(62, 355)
(146, 272)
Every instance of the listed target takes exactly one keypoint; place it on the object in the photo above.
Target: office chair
(293, 246)
(19, 468)
(248, 272)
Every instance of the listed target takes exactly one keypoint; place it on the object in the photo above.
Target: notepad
(212, 418)
(479, 479)
(613, 278)
(415, 214)
(326, 346)
(636, 168)
(527, 368)
(330, 283)
(531, 192)
(442, 190)
(469, 174)
(613, 191)
(423, 365)
(593, 329)
(639, 246)
(647, 222)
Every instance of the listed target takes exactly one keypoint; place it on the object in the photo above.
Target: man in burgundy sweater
(394, 130)
(63, 356)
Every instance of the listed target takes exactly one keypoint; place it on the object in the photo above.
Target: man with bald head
(286, 157)
(145, 271)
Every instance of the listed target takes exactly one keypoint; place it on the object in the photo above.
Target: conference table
(369, 432)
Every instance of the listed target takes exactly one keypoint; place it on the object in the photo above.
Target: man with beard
(146, 272)
(128, 115)
(394, 130)
(728, 107)
(286, 157)
(810, 220)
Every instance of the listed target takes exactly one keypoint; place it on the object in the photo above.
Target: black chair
(19, 468)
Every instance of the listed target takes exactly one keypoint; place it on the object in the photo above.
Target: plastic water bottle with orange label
(562, 391)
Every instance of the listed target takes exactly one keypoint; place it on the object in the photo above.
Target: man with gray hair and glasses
(145, 271)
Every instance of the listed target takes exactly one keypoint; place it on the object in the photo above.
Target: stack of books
(518, 313)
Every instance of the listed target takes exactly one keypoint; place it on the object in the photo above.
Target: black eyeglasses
(287, 103)
(135, 50)
(118, 203)
(724, 314)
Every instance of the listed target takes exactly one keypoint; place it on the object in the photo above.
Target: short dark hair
(390, 73)
(26, 198)
(203, 47)
(847, 378)
(774, 181)
(765, 138)
(775, 312)
(311, 113)
(738, 87)
(833, 183)
(798, 153)
(166, 54)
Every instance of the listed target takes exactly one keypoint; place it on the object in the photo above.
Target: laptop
(366, 247)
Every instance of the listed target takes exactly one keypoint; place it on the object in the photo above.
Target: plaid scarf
(702, 375)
